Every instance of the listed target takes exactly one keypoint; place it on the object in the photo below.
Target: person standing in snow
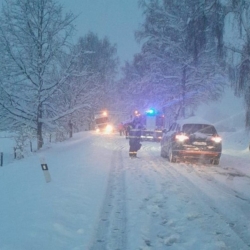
(134, 139)
(121, 128)
(128, 126)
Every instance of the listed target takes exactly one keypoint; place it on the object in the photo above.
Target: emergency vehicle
(153, 124)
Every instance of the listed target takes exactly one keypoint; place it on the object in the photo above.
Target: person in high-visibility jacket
(134, 140)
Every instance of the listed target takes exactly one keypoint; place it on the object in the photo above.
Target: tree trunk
(39, 128)
(183, 90)
(70, 129)
(39, 136)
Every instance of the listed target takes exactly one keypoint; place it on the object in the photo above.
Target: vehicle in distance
(102, 123)
(191, 139)
(153, 124)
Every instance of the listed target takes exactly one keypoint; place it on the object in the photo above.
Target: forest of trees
(187, 58)
(180, 58)
(46, 81)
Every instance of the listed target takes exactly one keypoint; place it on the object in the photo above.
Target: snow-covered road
(100, 199)
(182, 206)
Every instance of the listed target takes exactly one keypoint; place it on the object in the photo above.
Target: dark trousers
(132, 152)
(134, 146)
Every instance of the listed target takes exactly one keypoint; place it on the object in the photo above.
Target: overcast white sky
(116, 19)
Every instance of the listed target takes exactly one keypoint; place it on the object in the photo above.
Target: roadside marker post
(1, 160)
(45, 171)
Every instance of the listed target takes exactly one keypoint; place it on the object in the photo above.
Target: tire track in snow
(237, 202)
(190, 181)
(196, 205)
(239, 226)
(111, 229)
(210, 178)
(147, 214)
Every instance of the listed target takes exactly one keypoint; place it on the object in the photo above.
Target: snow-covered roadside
(99, 197)
(59, 214)
(7, 144)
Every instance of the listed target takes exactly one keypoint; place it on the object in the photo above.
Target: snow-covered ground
(99, 198)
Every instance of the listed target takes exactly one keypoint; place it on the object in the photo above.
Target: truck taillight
(181, 137)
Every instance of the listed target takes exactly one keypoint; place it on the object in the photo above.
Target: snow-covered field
(99, 198)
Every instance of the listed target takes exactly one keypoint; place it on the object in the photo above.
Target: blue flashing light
(150, 111)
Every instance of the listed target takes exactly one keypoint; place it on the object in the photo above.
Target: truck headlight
(109, 129)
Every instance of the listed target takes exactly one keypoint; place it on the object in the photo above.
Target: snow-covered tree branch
(33, 37)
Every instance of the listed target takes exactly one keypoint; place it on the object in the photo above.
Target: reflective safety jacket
(134, 133)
